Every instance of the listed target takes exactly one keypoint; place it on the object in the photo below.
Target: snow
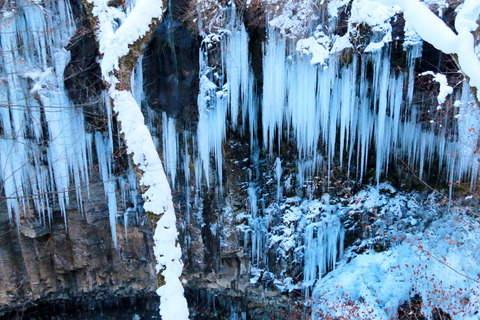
(340, 43)
(439, 261)
(429, 249)
(411, 38)
(210, 19)
(158, 200)
(291, 18)
(316, 46)
(378, 17)
(363, 12)
(310, 231)
(372, 13)
(445, 89)
(114, 44)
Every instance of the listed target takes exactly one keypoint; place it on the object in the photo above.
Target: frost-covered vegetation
(407, 244)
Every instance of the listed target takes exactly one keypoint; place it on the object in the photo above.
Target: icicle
(257, 226)
(323, 246)
(468, 136)
(308, 103)
(252, 196)
(347, 109)
(239, 74)
(170, 146)
(212, 108)
(186, 172)
(278, 177)
(214, 101)
(137, 81)
(274, 76)
(381, 77)
(105, 165)
(413, 45)
(301, 112)
(211, 127)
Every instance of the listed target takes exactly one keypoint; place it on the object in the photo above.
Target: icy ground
(411, 243)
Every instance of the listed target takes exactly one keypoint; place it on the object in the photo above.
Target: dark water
(204, 304)
(111, 308)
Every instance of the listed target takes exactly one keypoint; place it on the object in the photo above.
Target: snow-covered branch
(115, 44)
(158, 201)
(433, 30)
(120, 47)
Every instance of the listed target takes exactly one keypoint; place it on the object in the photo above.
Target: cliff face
(275, 164)
(277, 138)
(43, 263)
(56, 243)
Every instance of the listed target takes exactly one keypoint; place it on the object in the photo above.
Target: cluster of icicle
(46, 154)
(312, 231)
(342, 112)
(323, 246)
(338, 114)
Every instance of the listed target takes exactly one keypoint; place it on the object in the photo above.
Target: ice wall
(345, 112)
(39, 125)
(341, 113)
(46, 153)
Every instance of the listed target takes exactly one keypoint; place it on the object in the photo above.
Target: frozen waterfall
(340, 113)
(353, 109)
(46, 153)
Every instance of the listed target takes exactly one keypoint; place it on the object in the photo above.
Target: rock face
(171, 70)
(50, 262)
(74, 256)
